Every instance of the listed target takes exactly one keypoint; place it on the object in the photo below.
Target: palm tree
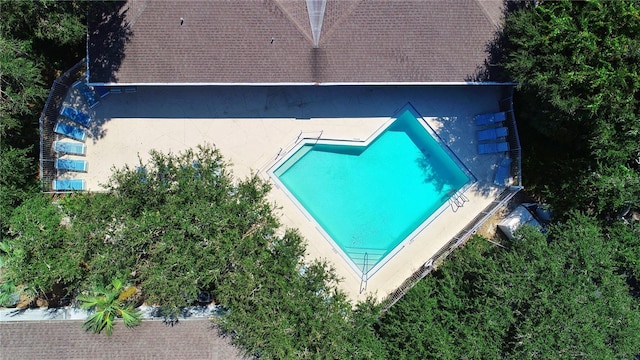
(109, 303)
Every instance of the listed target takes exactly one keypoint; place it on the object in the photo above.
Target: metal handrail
(287, 148)
(506, 104)
(365, 270)
(48, 119)
(453, 244)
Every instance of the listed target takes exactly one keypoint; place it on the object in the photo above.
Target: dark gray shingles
(361, 41)
(193, 339)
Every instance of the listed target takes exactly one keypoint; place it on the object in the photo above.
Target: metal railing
(302, 136)
(460, 238)
(365, 270)
(48, 120)
(515, 152)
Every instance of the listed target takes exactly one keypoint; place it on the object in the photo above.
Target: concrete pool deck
(250, 125)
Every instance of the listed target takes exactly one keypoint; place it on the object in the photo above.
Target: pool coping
(286, 153)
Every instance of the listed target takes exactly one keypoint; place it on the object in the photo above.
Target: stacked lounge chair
(68, 184)
(70, 131)
(493, 147)
(491, 118)
(71, 165)
(503, 172)
(76, 115)
(87, 93)
(492, 133)
(72, 148)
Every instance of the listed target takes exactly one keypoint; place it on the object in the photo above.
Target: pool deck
(250, 125)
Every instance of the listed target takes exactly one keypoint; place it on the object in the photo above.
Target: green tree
(38, 249)
(448, 315)
(554, 296)
(626, 238)
(184, 218)
(577, 64)
(20, 91)
(15, 187)
(578, 304)
(21, 86)
(38, 40)
(284, 308)
(180, 224)
(108, 303)
(53, 30)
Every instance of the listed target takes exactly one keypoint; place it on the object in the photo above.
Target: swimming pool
(368, 198)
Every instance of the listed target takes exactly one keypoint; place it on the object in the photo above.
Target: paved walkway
(152, 339)
(41, 333)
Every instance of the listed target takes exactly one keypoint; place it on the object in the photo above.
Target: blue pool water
(369, 199)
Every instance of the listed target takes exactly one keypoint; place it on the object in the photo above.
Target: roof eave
(371, 83)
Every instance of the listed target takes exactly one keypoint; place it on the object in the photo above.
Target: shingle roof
(269, 41)
(189, 339)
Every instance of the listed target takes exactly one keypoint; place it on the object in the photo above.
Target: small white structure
(515, 219)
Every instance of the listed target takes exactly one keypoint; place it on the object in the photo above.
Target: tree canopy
(181, 224)
(179, 217)
(554, 296)
(38, 40)
(577, 64)
(572, 293)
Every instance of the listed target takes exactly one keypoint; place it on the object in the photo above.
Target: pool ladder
(365, 270)
(303, 135)
(457, 200)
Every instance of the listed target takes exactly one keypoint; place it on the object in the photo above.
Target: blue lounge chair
(64, 147)
(492, 133)
(71, 165)
(70, 131)
(503, 172)
(68, 184)
(76, 115)
(492, 118)
(87, 93)
(102, 91)
(493, 147)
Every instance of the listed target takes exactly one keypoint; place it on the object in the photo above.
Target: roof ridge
(486, 13)
(292, 19)
(138, 6)
(330, 29)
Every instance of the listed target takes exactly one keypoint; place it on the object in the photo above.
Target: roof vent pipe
(316, 14)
